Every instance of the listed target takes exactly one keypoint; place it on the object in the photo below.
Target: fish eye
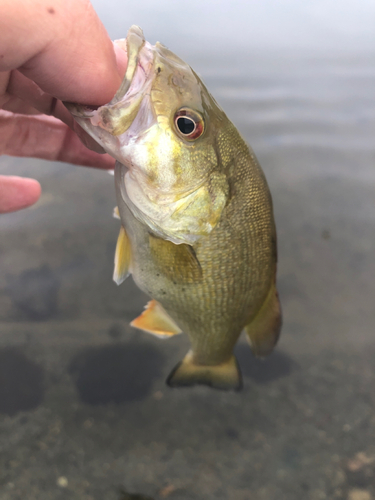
(189, 124)
(185, 125)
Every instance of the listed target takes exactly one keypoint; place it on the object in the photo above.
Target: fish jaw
(128, 114)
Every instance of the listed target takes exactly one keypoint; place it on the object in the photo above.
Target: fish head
(162, 127)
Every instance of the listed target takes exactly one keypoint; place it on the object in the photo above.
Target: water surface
(84, 409)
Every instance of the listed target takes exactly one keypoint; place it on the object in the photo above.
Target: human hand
(51, 51)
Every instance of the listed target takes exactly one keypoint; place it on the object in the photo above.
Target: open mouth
(85, 110)
(117, 116)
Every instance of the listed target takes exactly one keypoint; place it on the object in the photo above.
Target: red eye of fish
(189, 124)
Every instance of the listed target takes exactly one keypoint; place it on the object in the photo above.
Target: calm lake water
(84, 411)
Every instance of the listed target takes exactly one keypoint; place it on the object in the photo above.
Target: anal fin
(122, 257)
(157, 321)
(225, 376)
(264, 329)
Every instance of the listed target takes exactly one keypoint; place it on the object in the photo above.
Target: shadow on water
(34, 294)
(132, 496)
(262, 371)
(116, 373)
(21, 382)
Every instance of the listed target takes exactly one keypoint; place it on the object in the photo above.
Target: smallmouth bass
(197, 229)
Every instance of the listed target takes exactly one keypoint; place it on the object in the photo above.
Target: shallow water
(83, 406)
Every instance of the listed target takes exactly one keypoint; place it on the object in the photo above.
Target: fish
(197, 227)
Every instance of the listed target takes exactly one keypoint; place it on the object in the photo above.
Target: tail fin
(226, 376)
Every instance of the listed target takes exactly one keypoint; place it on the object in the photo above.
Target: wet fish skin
(198, 230)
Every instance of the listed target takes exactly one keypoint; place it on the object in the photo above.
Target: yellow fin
(225, 376)
(122, 257)
(264, 330)
(156, 320)
(116, 213)
(178, 262)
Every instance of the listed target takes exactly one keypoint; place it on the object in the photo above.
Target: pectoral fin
(264, 330)
(225, 376)
(122, 258)
(178, 262)
(116, 213)
(157, 321)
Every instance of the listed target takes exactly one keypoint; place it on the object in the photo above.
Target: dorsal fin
(264, 329)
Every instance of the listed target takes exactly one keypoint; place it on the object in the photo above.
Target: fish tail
(225, 376)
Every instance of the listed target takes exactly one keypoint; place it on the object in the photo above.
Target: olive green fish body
(198, 233)
(238, 260)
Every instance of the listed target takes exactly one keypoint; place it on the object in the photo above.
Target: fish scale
(198, 233)
(218, 306)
